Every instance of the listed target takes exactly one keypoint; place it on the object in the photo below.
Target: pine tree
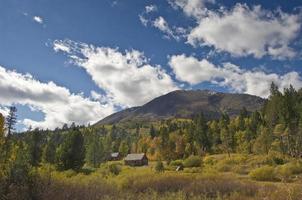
(201, 133)
(226, 141)
(243, 114)
(124, 148)
(11, 120)
(35, 150)
(264, 141)
(152, 132)
(71, 154)
(95, 152)
(159, 167)
(49, 153)
(3, 152)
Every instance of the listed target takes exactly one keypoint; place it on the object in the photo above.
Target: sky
(80, 61)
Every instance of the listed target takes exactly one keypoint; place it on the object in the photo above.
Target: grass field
(218, 177)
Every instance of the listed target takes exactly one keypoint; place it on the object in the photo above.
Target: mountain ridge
(185, 104)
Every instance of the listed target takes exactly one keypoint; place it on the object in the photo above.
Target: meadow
(219, 176)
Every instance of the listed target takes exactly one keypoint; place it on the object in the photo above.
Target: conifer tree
(71, 154)
(11, 120)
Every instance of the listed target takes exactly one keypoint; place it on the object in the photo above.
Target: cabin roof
(135, 156)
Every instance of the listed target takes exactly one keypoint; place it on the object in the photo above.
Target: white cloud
(57, 103)
(59, 47)
(127, 78)
(4, 110)
(143, 20)
(163, 26)
(193, 71)
(244, 31)
(99, 97)
(151, 8)
(192, 8)
(38, 19)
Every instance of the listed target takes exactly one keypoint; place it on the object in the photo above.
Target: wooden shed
(136, 159)
(115, 156)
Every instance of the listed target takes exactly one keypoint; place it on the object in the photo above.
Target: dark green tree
(11, 120)
(34, 147)
(71, 154)
(201, 133)
(49, 153)
(152, 132)
(95, 152)
(124, 148)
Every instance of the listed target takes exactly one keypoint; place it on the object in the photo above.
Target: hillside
(185, 104)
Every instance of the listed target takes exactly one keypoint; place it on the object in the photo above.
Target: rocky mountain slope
(185, 104)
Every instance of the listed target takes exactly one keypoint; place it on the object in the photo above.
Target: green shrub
(240, 169)
(296, 167)
(114, 169)
(176, 163)
(276, 158)
(192, 161)
(209, 161)
(265, 173)
(225, 165)
(289, 169)
(193, 170)
(70, 173)
(159, 167)
(87, 170)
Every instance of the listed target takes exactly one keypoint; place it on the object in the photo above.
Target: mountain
(185, 104)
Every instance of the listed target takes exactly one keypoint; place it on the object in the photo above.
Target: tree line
(276, 127)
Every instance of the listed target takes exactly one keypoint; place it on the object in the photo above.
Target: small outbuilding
(136, 159)
(115, 156)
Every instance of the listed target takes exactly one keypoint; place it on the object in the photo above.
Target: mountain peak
(186, 104)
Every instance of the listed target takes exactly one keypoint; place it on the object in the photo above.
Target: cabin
(115, 156)
(136, 159)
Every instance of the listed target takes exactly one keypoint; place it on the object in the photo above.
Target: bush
(70, 173)
(209, 161)
(276, 158)
(265, 173)
(159, 167)
(225, 165)
(193, 170)
(192, 161)
(240, 169)
(295, 167)
(176, 163)
(114, 169)
(289, 169)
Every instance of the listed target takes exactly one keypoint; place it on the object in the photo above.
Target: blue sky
(78, 61)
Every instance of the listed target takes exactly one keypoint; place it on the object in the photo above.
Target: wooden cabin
(115, 156)
(136, 159)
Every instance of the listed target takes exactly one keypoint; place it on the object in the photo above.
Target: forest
(252, 156)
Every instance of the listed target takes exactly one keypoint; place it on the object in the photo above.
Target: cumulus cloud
(244, 31)
(192, 8)
(191, 70)
(57, 103)
(38, 19)
(126, 77)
